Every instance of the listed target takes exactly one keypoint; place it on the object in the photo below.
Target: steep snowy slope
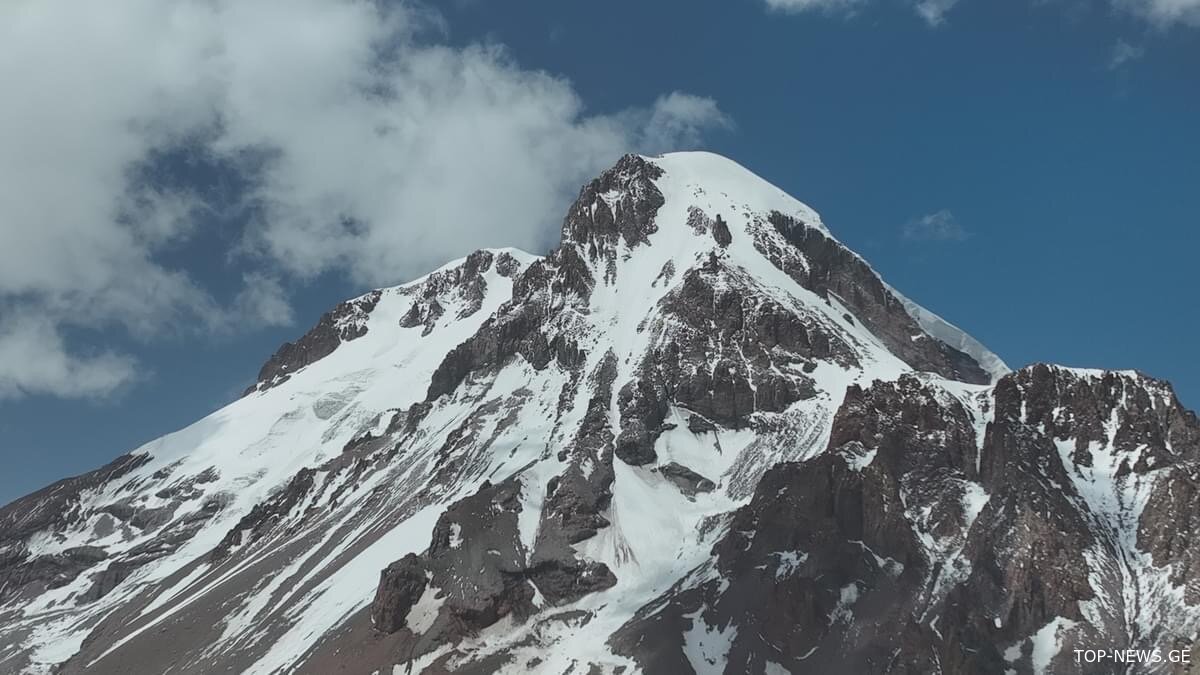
(139, 538)
(700, 435)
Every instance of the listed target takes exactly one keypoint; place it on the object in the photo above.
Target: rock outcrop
(913, 544)
(346, 322)
(698, 436)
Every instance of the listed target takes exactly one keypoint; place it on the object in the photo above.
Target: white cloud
(1164, 13)
(34, 360)
(934, 11)
(262, 301)
(827, 6)
(466, 150)
(370, 151)
(678, 120)
(937, 226)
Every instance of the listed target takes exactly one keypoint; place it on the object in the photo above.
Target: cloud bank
(362, 144)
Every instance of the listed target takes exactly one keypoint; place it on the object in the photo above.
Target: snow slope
(696, 324)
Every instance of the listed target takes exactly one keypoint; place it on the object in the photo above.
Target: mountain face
(699, 436)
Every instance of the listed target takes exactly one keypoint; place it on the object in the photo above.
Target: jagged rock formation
(346, 322)
(689, 482)
(699, 436)
(939, 533)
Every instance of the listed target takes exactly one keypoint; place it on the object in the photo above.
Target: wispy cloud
(934, 11)
(937, 226)
(1161, 13)
(1164, 12)
(1123, 53)
(823, 6)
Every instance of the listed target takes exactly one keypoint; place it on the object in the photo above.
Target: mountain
(699, 436)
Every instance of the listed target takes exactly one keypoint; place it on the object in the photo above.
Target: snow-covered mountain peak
(700, 435)
(699, 173)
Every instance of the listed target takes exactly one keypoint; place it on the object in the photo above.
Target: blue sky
(1029, 170)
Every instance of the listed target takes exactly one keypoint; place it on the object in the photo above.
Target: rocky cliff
(699, 436)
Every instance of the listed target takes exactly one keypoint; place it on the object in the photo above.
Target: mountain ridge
(521, 463)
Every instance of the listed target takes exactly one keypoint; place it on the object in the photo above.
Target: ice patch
(423, 613)
(1044, 644)
(857, 457)
(707, 647)
(789, 562)
(974, 498)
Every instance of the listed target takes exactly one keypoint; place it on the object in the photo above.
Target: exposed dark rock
(346, 322)
(475, 561)
(188, 488)
(938, 527)
(835, 565)
(58, 502)
(1169, 527)
(1147, 428)
(463, 284)
(166, 540)
(19, 574)
(265, 515)
(401, 584)
(517, 328)
(563, 580)
(666, 274)
(643, 403)
(596, 224)
(698, 221)
(590, 232)
(811, 531)
(120, 510)
(141, 518)
(424, 313)
(654, 638)
(1068, 405)
(689, 482)
(830, 269)
(721, 337)
(53, 508)
(107, 580)
(720, 231)
(699, 425)
(87, 554)
(576, 498)
(507, 265)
